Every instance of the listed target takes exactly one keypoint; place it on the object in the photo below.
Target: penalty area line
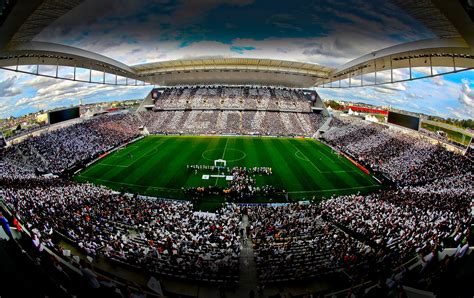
(109, 165)
(304, 155)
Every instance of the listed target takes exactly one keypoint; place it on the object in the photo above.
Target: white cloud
(467, 95)
(460, 113)
(7, 89)
(22, 101)
(48, 92)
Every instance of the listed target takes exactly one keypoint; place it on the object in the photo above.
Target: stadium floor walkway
(248, 278)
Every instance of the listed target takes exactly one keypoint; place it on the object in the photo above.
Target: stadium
(236, 173)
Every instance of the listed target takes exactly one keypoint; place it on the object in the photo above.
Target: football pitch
(157, 166)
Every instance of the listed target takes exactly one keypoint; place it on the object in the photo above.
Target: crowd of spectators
(162, 236)
(427, 210)
(293, 242)
(233, 110)
(182, 242)
(362, 234)
(57, 150)
(406, 220)
(403, 157)
(232, 122)
(241, 98)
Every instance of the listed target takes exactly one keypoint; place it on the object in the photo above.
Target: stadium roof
(450, 21)
(233, 71)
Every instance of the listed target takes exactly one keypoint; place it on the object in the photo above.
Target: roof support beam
(460, 58)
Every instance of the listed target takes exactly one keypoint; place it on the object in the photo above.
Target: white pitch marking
(223, 154)
(308, 160)
(333, 189)
(109, 165)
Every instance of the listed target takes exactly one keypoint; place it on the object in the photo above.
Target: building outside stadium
(232, 178)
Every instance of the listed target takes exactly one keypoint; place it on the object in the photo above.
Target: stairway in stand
(248, 279)
(323, 128)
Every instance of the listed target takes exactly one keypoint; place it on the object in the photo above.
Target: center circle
(213, 154)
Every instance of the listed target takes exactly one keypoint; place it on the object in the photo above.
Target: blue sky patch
(241, 50)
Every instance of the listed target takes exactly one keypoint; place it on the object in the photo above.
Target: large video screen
(63, 115)
(407, 121)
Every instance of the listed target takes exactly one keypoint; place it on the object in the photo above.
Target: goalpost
(220, 163)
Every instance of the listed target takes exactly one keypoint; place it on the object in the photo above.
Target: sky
(326, 32)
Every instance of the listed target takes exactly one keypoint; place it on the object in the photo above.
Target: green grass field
(156, 166)
(454, 136)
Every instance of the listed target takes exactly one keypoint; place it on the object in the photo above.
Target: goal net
(221, 163)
